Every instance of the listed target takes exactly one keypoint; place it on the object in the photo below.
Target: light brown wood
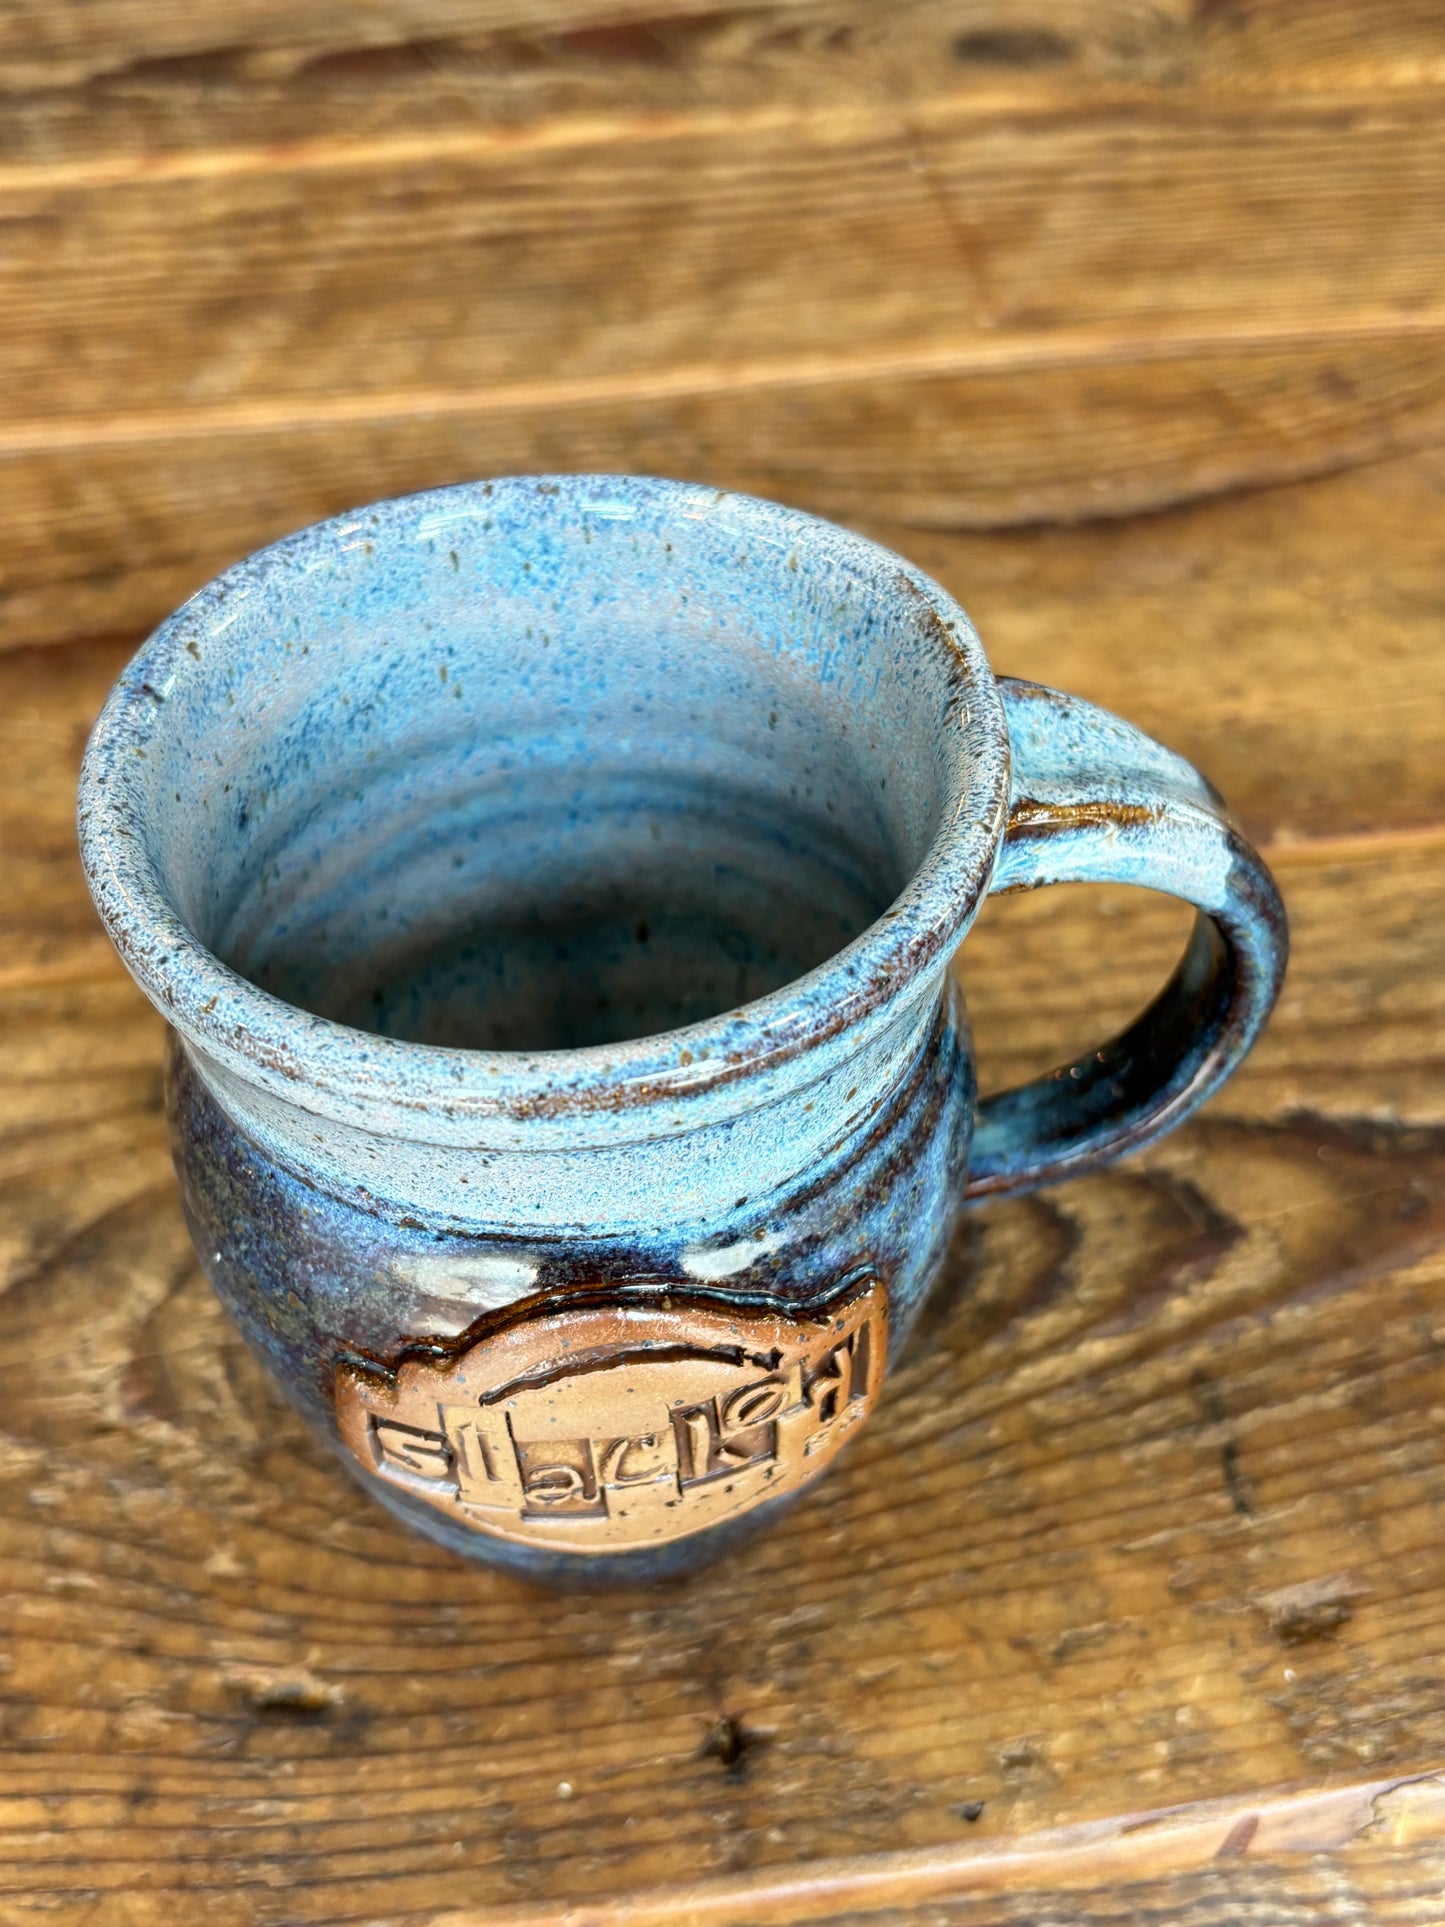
(490, 258)
(1167, 1454)
(114, 78)
(965, 268)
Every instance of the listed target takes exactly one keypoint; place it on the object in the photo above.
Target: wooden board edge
(1401, 1810)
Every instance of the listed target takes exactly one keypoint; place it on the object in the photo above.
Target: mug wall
(314, 1281)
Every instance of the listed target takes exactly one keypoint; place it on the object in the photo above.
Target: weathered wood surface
(962, 264)
(1152, 1517)
(1325, 1856)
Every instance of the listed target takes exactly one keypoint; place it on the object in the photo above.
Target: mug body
(551, 886)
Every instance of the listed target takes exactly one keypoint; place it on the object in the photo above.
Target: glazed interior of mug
(533, 770)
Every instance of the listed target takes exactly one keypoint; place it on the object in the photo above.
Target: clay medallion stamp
(607, 1427)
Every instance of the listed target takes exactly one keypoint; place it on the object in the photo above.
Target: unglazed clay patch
(610, 1427)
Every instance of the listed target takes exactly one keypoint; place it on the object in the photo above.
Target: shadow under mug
(551, 885)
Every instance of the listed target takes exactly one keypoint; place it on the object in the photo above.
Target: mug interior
(541, 766)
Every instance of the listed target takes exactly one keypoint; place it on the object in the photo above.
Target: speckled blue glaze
(555, 880)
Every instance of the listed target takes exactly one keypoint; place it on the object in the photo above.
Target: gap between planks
(1400, 1810)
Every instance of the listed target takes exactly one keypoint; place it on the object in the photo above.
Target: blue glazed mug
(551, 885)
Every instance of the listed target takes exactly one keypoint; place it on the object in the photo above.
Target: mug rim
(329, 1067)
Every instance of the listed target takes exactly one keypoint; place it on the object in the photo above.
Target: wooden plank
(1195, 1865)
(1286, 640)
(491, 258)
(110, 533)
(128, 75)
(1167, 1449)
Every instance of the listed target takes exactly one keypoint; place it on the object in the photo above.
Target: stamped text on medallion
(605, 1427)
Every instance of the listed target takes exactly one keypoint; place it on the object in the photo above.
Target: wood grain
(119, 77)
(950, 265)
(702, 241)
(1287, 640)
(1168, 1448)
(1201, 1862)
(110, 533)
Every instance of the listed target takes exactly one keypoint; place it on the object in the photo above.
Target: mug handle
(1093, 800)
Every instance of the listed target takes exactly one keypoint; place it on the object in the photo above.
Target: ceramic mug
(551, 885)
